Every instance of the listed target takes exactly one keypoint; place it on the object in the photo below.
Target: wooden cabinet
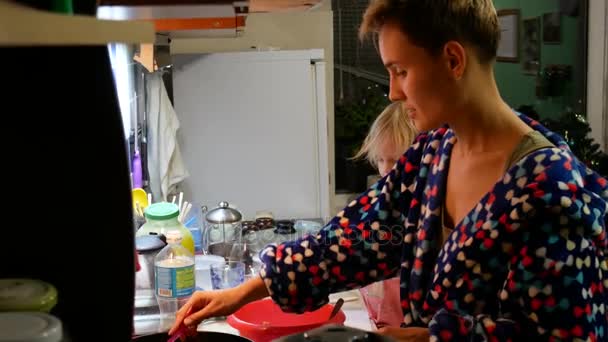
(24, 26)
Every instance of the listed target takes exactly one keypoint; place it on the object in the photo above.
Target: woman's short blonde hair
(393, 124)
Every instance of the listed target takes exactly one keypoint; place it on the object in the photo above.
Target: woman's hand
(406, 334)
(207, 304)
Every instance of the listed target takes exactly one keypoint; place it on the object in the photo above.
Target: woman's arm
(362, 244)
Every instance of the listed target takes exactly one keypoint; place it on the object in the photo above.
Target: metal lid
(147, 243)
(285, 227)
(223, 214)
(30, 327)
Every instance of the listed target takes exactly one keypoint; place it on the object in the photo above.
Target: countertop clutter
(26, 311)
(353, 308)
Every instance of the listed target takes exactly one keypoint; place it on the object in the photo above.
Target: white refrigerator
(253, 131)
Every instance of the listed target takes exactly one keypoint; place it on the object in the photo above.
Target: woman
(496, 229)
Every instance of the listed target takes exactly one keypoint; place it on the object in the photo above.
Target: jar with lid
(285, 231)
(223, 229)
(22, 294)
(28, 326)
(161, 218)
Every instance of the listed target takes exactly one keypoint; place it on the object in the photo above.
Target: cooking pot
(201, 336)
(335, 333)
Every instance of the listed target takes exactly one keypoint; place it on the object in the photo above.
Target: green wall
(518, 88)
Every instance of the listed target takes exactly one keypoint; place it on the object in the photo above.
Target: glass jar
(161, 218)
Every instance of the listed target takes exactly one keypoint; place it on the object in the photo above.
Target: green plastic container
(161, 218)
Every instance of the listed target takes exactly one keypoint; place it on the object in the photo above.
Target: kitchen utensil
(140, 196)
(336, 309)
(185, 208)
(201, 336)
(275, 323)
(223, 228)
(138, 210)
(182, 331)
(345, 299)
(181, 198)
(137, 171)
(335, 333)
(147, 247)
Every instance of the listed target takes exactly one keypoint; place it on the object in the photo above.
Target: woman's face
(418, 79)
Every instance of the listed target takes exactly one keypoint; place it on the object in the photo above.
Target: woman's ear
(455, 56)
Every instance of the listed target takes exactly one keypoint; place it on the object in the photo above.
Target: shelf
(25, 26)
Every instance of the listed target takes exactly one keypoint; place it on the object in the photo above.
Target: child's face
(388, 154)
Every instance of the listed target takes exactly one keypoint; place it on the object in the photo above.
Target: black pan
(201, 336)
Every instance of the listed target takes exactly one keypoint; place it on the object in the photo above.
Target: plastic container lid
(161, 211)
(264, 215)
(27, 295)
(30, 327)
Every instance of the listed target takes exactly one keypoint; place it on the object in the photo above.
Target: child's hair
(432, 23)
(394, 124)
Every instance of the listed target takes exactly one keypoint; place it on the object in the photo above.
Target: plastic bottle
(161, 217)
(174, 278)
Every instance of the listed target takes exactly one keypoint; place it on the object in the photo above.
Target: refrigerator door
(251, 132)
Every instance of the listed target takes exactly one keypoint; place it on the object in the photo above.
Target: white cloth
(165, 164)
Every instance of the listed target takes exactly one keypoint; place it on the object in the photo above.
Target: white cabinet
(24, 26)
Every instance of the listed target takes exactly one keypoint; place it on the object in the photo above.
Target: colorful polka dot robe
(529, 261)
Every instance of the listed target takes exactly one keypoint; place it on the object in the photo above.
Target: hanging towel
(165, 164)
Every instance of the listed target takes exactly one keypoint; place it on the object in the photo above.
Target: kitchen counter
(354, 309)
(356, 314)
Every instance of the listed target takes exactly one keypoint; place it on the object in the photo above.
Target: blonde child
(389, 136)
